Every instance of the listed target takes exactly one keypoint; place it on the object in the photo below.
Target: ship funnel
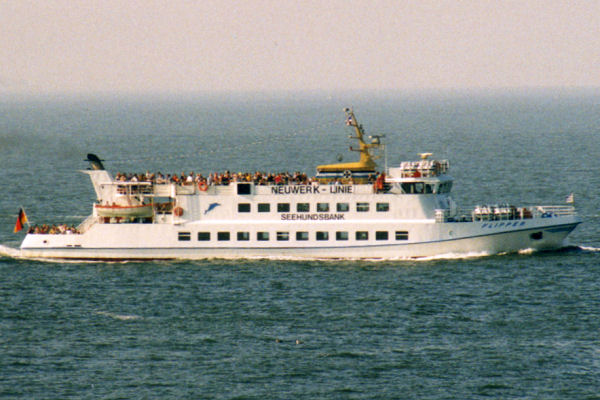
(95, 162)
(97, 173)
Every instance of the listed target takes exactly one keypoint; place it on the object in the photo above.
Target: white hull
(122, 242)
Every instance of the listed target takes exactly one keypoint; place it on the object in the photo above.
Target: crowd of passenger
(216, 178)
(225, 178)
(62, 229)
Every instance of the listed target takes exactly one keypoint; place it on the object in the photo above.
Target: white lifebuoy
(347, 174)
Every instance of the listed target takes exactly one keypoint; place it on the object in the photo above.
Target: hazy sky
(224, 45)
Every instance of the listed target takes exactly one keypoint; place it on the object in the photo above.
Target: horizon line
(306, 92)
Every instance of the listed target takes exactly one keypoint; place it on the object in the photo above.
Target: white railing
(493, 213)
(553, 211)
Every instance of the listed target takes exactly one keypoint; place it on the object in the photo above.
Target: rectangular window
(283, 236)
(322, 207)
(223, 236)
(184, 236)
(383, 207)
(262, 236)
(243, 236)
(302, 207)
(401, 235)
(362, 235)
(244, 188)
(381, 235)
(301, 235)
(264, 207)
(322, 235)
(283, 207)
(244, 207)
(362, 207)
(342, 207)
(203, 236)
(341, 235)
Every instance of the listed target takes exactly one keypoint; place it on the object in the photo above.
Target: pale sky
(254, 45)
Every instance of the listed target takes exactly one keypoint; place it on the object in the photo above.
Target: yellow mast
(366, 162)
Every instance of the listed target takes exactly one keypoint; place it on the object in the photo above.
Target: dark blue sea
(511, 326)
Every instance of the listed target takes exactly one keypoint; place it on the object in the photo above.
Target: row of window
(285, 236)
(320, 207)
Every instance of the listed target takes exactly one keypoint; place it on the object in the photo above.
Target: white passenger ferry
(348, 211)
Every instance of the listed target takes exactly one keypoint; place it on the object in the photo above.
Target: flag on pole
(21, 220)
(570, 199)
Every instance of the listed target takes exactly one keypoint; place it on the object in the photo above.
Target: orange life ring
(178, 211)
(202, 186)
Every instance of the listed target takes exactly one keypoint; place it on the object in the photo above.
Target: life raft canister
(178, 211)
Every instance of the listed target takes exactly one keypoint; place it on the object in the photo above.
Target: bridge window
(417, 188)
(445, 187)
(283, 207)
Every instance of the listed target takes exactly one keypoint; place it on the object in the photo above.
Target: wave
(11, 252)
(121, 317)
(446, 256)
(588, 249)
(527, 251)
(564, 249)
(454, 256)
(6, 251)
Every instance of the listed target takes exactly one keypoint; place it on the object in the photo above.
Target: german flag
(21, 220)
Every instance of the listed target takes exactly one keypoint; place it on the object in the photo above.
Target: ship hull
(143, 242)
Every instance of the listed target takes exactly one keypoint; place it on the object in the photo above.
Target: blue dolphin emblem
(211, 207)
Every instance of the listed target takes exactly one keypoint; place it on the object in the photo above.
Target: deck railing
(490, 213)
(554, 211)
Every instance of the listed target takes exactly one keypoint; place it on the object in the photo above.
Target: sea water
(506, 326)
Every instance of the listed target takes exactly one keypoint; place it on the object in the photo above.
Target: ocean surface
(511, 326)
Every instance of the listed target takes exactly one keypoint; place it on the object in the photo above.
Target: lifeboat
(115, 210)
